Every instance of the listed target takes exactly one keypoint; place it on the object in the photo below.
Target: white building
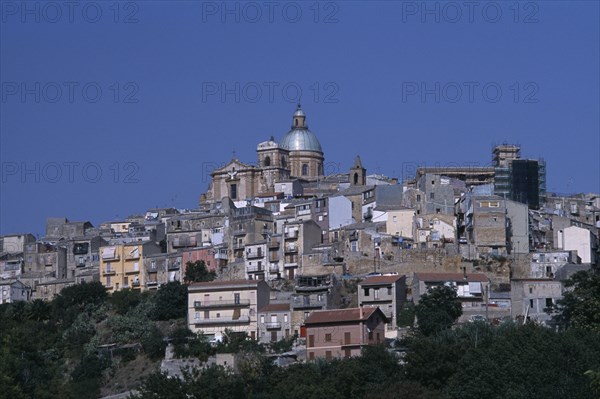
(578, 239)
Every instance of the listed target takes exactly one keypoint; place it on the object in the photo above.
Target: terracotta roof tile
(340, 315)
(276, 307)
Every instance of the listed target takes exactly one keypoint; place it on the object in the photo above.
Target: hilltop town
(329, 262)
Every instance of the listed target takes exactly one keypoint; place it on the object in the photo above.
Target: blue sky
(110, 108)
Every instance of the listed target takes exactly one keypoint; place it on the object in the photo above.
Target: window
(327, 355)
(389, 291)
(304, 169)
(431, 195)
(262, 318)
(531, 290)
(437, 210)
(285, 318)
(549, 302)
(354, 246)
(206, 314)
(418, 197)
(233, 191)
(366, 291)
(327, 337)
(267, 161)
(311, 341)
(376, 293)
(531, 303)
(370, 335)
(236, 299)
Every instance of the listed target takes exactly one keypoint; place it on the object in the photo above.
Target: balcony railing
(254, 255)
(291, 235)
(135, 283)
(274, 268)
(239, 232)
(108, 271)
(291, 264)
(151, 283)
(291, 249)
(174, 266)
(221, 304)
(220, 256)
(273, 326)
(80, 263)
(222, 320)
(132, 271)
(254, 269)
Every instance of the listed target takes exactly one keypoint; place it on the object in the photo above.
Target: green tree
(580, 305)
(438, 310)
(197, 272)
(170, 301)
(124, 300)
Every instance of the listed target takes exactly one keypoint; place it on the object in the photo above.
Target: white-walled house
(578, 239)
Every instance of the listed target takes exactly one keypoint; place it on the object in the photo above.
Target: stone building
(298, 155)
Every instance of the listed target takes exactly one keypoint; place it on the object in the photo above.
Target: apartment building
(218, 305)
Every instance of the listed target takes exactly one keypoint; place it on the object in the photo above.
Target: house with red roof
(342, 333)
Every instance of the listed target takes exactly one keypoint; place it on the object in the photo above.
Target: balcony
(274, 244)
(291, 235)
(219, 255)
(273, 326)
(222, 320)
(254, 269)
(238, 245)
(290, 249)
(255, 255)
(152, 283)
(274, 258)
(274, 269)
(132, 271)
(174, 266)
(135, 283)
(239, 232)
(108, 272)
(291, 264)
(80, 263)
(221, 304)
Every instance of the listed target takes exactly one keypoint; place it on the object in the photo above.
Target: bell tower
(358, 174)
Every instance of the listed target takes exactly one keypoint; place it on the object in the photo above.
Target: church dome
(300, 138)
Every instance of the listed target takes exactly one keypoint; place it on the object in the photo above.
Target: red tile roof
(443, 277)
(276, 307)
(341, 315)
(381, 280)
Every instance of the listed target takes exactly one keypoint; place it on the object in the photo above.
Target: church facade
(298, 155)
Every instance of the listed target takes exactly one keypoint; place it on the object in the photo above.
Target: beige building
(298, 154)
(219, 305)
(121, 266)
(401, 222)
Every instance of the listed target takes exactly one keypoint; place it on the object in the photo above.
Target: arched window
(355, 178)
(296, 121)
(283, 162)
(304, 169)
(267, 161)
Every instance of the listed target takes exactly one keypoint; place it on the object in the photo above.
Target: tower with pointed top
(358, 174)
